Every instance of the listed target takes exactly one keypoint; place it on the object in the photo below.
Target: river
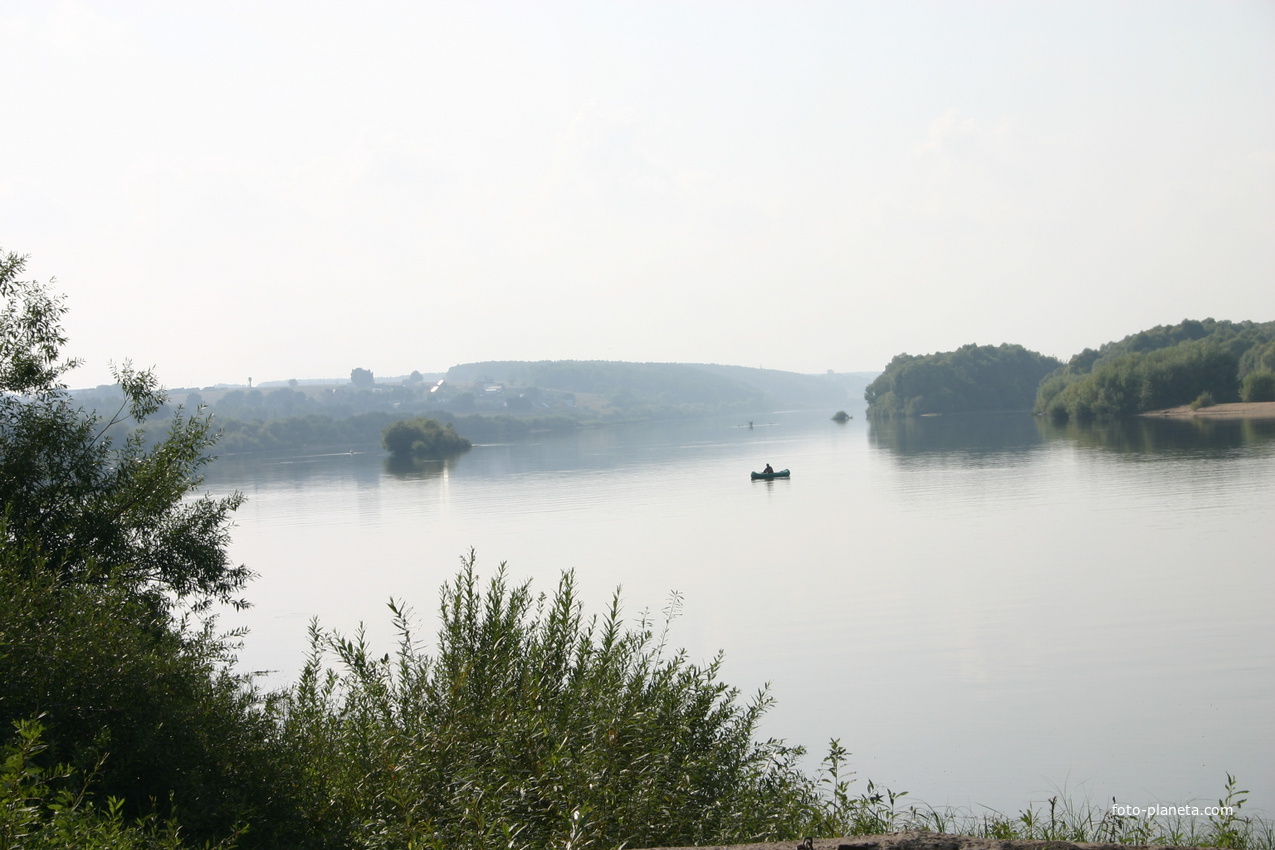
(986, 611)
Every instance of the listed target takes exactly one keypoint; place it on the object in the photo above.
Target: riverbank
(1237, 410)
(916, 840)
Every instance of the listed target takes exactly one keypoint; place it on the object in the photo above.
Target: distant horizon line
(284, 382)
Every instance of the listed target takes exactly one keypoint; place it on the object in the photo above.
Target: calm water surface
(984, 610)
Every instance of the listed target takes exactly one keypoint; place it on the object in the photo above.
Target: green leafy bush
(45, 806)
(1204, 399)
(147, 706)
(532, 726)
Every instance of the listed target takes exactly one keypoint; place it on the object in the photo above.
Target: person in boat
(768, 470)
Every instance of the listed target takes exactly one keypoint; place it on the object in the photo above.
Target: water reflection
(664, 446)
(416, 469)
(969, 437)
(1180, 436)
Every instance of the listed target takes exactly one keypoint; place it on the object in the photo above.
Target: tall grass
(1062, 819)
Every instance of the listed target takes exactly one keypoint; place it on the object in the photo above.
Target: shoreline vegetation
(921, 839)
(531, 723)
(1196, 363)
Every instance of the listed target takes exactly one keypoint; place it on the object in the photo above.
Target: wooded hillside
(1192, 362)
(971, 379)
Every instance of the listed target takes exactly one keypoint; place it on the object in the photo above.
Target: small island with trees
(422, 439)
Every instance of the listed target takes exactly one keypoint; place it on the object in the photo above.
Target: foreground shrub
(531, 726)
(129, 696)
(44, 806)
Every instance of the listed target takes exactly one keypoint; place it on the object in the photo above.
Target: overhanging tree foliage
(103, 549)
(99, 505)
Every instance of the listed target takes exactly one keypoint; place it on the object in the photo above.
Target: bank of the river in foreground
(1236, 410)
(913, 840)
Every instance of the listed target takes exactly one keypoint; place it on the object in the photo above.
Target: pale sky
(294, 189)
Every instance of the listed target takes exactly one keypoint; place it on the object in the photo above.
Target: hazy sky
(292, 189)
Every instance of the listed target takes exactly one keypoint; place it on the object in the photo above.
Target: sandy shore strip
(1237, 410)
(925, 841)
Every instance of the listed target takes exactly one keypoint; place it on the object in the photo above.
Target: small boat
(767, 476)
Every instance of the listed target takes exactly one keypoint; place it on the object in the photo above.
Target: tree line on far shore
(1194, 362)
(973, 378)
(484, 402)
